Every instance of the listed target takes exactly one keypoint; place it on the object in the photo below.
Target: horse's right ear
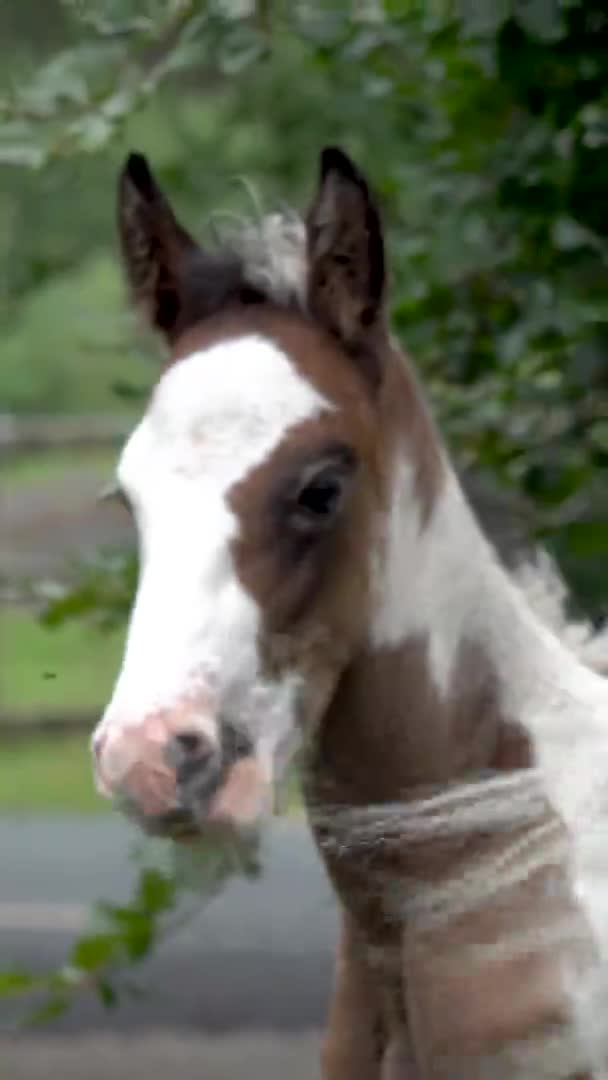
(156, 249)
(346, 276)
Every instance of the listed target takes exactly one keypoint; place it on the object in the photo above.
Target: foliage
(102, 592)
(485, 129)
(71, 333)
(70, 671)
(46, 774)
(102, 960)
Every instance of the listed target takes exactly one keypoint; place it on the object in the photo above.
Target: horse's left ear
(346, 274)
(157, 251)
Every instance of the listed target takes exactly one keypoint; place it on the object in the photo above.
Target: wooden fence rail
(18, 726)
(40, 432)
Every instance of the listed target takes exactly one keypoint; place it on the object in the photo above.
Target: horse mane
(547, 594)
(506, 519)
(271, 250)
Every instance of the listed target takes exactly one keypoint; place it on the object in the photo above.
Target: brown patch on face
(313, 590)
(315, 598)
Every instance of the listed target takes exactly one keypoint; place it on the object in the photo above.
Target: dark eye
(320, 493)
(321, 497)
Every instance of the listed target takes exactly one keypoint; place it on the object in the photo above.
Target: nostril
(189, 749)
(197, 763)
(193, 744)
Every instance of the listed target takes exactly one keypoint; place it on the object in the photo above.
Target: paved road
(257, 958)
(160, 1055)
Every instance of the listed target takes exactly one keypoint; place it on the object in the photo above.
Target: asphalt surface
(162, 1055)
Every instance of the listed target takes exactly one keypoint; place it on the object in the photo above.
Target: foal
(309, 568)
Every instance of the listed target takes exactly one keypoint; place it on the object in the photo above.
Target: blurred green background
(484, 127)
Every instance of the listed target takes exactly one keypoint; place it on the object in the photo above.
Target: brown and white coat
(310, 569)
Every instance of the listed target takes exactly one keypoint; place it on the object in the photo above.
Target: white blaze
(213, 418)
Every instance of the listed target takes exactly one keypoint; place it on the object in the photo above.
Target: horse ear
(345, 251)
(156, 249)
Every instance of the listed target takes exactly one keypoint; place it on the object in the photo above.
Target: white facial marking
(192, 640)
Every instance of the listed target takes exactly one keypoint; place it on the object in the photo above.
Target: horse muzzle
(179, 781)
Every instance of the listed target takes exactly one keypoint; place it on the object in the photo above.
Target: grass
(68, 668)
(71, 342)
(48, 774)
(65, 670)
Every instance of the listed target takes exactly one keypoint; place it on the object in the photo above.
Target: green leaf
(92, 952)
(568, 234)
(51, 1010)
(139, 935)
(586, 538)
(127, 391)
(598, 434)
(21, 154)
(541, 18)
(156, 892)
(17, 981)
(106, 993)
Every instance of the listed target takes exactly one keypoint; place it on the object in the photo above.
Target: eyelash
(114, 493)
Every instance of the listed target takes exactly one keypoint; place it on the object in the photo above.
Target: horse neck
(458, 675)
(459, 678)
